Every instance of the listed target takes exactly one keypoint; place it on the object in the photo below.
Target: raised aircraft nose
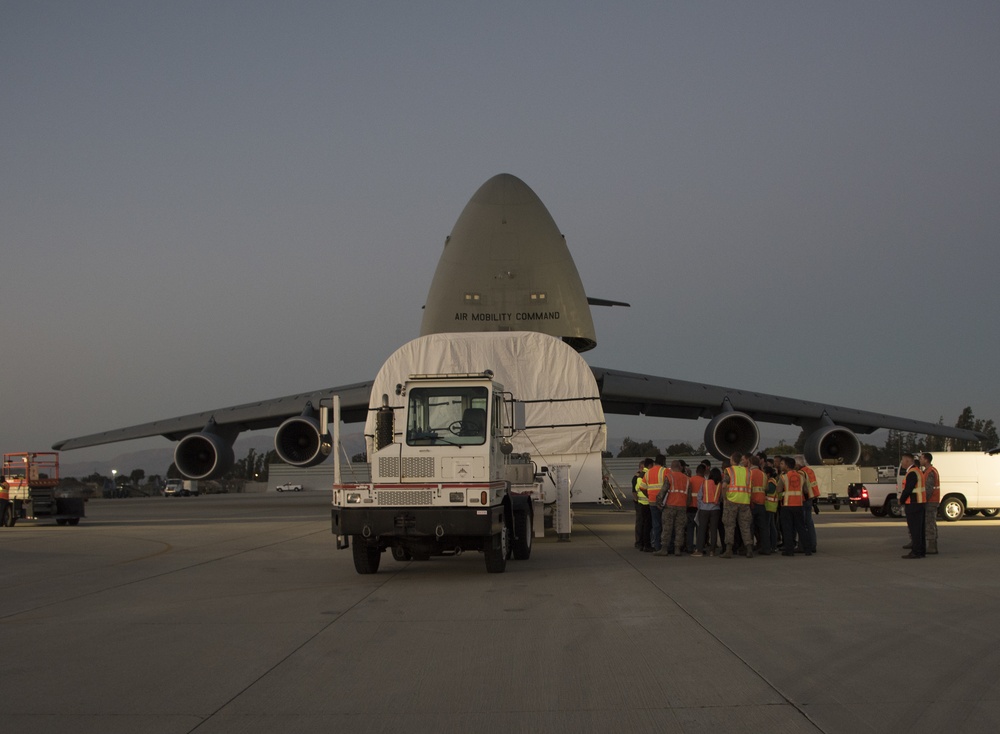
(506, 267)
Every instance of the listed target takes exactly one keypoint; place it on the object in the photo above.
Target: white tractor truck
(444, 481)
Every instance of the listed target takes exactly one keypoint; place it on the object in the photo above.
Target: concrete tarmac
(237, 614)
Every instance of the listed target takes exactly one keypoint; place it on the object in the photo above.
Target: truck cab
(443, 477)
(31, 491)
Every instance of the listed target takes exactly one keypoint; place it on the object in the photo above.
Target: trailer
(32, 491)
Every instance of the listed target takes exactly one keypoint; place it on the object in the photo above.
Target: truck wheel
(952, 509)
(854, 507)
(61, 522)
(366, 555)
(893, 507)
(496, 558)
(991, 512)
(877, 511)
(7, 520)
(523, 533)
(74, 521)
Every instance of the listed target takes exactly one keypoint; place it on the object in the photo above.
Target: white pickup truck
(970, 485)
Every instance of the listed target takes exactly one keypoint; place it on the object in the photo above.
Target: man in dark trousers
(913, 498)
(644, 526)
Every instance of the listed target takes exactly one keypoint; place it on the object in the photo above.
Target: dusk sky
(209, 203)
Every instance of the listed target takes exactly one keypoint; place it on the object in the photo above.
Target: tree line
(254, 467)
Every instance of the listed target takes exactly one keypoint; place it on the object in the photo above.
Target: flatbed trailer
(33, 492)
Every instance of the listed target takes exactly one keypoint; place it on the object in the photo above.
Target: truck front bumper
(417, 522)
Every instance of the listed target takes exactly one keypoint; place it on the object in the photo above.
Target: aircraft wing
(631, 393)
(248, 417)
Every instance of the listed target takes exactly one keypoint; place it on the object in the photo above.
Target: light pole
(114, 485)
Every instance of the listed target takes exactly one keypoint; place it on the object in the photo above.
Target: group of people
(920, 499)
(759, 501)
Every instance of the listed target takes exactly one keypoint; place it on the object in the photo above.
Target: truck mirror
(519, 422)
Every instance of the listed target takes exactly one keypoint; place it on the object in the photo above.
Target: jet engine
(832, 442)
(205, 455)
(299, 441)
(731, 431)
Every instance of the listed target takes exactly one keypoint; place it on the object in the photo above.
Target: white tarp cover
(530, 365)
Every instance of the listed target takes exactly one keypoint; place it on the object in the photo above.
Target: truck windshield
(453, 415)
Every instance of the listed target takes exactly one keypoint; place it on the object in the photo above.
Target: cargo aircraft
(506, 267)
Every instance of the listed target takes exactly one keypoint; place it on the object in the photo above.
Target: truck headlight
(354, 498)
(456, 496)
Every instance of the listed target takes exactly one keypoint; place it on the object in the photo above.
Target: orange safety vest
(696, 483)
(652, 483)
(4, 491)
(918, 496)
(710, 492)
(677, 493)
(792, 496)
(811, 484)
(935, 495)
(758, 480)
(738, 491)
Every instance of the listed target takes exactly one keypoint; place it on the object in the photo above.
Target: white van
(970, 483)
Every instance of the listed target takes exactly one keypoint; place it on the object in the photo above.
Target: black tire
(60, 521)
(854, 507)
(522, 535)
(366, 555)
(496, 558)
(893, 508)
(74, 521)
(971, 513)
(7, 520)
(952, 509)
(877, 511)
(991, 511)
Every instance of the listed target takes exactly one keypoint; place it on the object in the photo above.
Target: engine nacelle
(299, 441)
(203, 455)
(832, 442)
(731, 431)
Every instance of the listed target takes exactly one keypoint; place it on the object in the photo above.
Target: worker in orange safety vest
(677, 488)
(932, 489)
(811, 504)
(758, 513)
(652, 486)
(791, 496)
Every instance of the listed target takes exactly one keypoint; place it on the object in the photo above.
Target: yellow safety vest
(738, 490)
(771, 498)
(918, 496)
(640, 489)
